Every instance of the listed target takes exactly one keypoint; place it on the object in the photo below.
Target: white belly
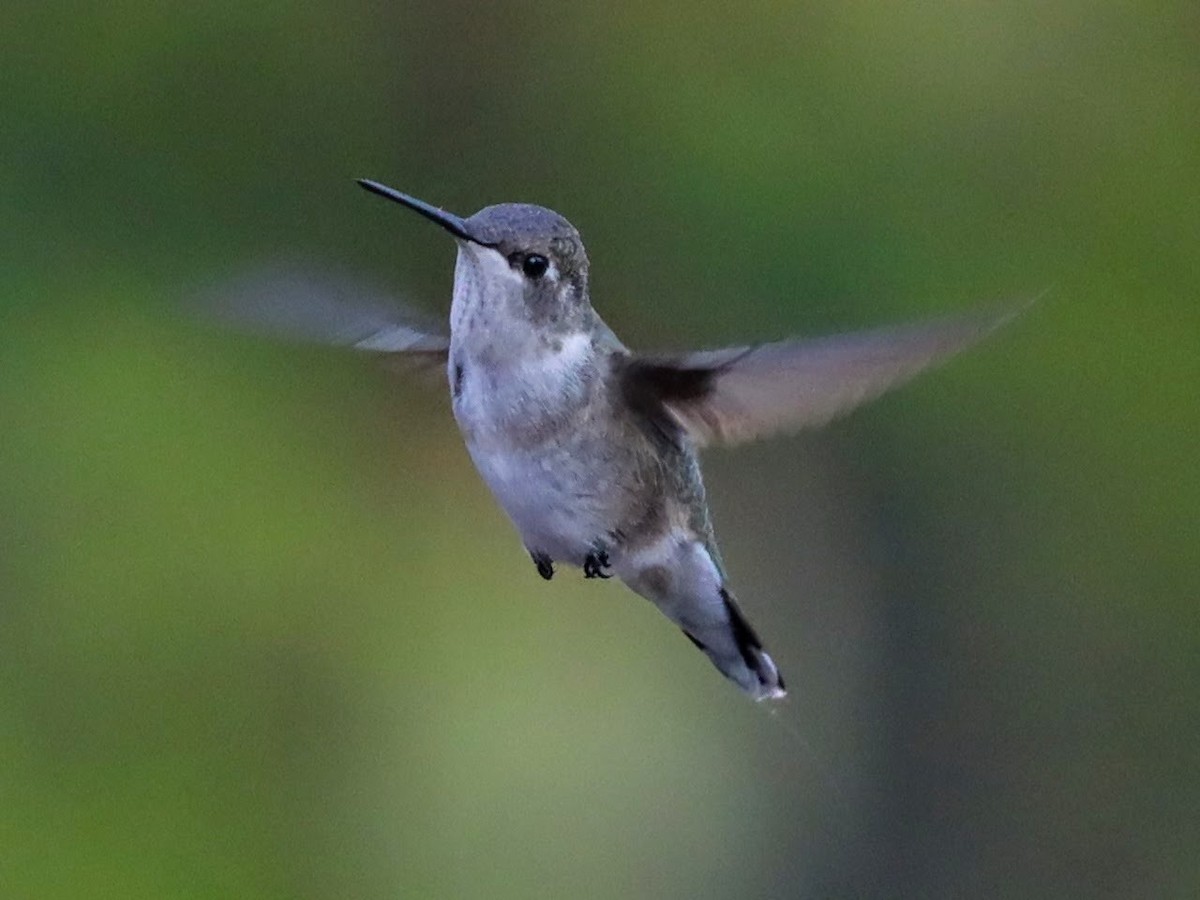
(545, 486)
(554, 511)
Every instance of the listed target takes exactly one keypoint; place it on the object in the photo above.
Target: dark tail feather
(735, 649)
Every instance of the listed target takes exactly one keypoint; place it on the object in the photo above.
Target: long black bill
(452, 223)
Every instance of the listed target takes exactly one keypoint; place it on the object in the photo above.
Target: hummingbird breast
(557, 452)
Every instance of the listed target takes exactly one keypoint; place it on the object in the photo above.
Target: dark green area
(264, 634)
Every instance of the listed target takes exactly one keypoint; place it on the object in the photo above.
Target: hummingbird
(590, 448)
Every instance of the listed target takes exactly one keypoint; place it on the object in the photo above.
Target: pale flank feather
(743, 393)
(311, 307)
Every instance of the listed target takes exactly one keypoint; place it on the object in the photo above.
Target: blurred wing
(299, 305)
(742, 393)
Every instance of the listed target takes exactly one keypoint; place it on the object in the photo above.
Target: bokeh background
(263, 633)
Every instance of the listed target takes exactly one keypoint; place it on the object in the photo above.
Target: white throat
(490, 322)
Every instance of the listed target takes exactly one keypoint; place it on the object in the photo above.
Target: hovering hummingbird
(591, 448)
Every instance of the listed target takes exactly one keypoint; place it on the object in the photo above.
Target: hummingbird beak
(452, 223)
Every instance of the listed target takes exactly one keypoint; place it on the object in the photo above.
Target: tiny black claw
(595, 564)
(544, 565)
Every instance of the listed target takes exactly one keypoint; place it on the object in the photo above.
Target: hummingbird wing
(742, 393)
(316, 307)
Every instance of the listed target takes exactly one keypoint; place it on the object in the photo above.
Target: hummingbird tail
(682, 580)
(735, 649)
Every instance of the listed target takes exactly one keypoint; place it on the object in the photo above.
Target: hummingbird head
(518, 258)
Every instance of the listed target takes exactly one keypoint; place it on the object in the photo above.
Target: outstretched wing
(742, 393)
(301, 305)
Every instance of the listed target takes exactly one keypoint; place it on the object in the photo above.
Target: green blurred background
(263, 633)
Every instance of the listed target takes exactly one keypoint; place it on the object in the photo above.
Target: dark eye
(534, 266)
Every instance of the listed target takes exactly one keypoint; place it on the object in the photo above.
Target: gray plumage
(591, 449)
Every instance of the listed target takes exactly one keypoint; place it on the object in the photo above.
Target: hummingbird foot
(595, 564)
(545, 565)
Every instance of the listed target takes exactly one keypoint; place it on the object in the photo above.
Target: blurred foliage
(262, 631)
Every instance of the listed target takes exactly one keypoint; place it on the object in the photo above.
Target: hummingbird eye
(534, 266)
